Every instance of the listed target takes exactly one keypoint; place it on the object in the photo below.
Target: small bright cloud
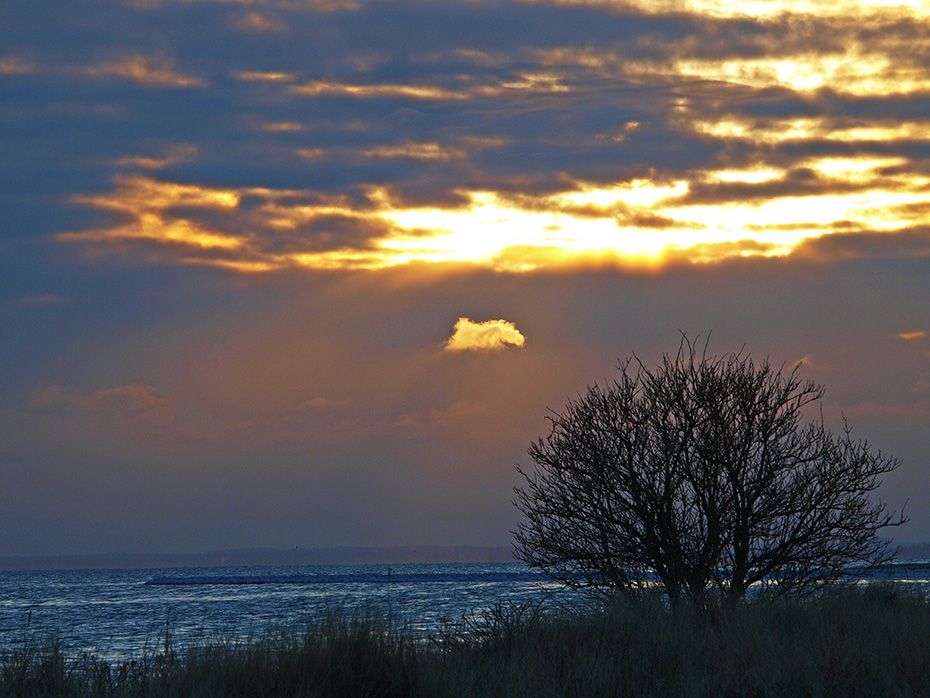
(910, 336)
(492, 335)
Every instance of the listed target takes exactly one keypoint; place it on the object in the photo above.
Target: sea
(124, 614)
(121, 614)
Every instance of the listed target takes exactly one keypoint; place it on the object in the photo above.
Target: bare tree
(700, 475)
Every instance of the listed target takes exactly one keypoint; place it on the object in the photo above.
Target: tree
(699, 475)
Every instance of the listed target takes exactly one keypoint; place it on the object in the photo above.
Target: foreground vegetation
(849, 642)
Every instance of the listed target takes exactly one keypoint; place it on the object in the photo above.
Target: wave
(351, 578)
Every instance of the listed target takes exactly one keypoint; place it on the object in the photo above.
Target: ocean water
(120, 614)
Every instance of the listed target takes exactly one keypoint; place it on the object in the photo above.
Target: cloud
(145, 70)
(258, 23)
(16, 65)
(911, 336)
(43, 300)
(129, 403)
(263, 76)
(865, 243)
(321, 88)
(539, 82)
(415, 151)
(644, 223)
(426, 422)
(628, 170)
(321, 402)
(447, 138)
(281, 127)
(176, 154)
(492, 335)
(293, 5)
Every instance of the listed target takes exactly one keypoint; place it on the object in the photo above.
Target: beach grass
(848, 642)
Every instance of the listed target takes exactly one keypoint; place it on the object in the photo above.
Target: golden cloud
(855, 71)
(535, 82)
(155, 228)
(865, 70)
(339, 89)
(911, 336)
(776, 131)
(492, 335)
(716, 214)
(264, 76)
(759, 8)
(415, 151)
(175, 155)
(145, 70)
(136, 194)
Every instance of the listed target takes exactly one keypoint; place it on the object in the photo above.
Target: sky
(313, 273)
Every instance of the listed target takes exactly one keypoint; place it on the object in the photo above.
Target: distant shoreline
(347, 555)
(265, 556)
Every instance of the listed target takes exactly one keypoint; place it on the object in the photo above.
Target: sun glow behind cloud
(763, 8)
(638, 223)
(846, 175)
(775, 131)
(854, 71)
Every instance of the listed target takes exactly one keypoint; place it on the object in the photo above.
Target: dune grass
(849, 642)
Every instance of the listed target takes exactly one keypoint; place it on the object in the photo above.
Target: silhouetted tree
(700, 475)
